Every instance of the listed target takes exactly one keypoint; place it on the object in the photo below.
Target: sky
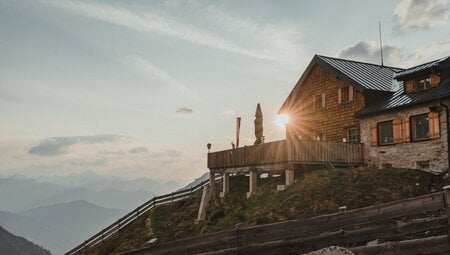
(138, 88)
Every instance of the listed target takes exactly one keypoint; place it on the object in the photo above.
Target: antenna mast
(381, 43)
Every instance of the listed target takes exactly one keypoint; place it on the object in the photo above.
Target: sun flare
(282, 120)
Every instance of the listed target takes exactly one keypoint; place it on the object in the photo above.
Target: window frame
(358, 135)
(347, 90)
(318, 103)
(379, 133)
(412, 128)
(424, 79)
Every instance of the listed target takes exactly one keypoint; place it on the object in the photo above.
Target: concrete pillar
(225, 184)
(253, 178)
(212, 181)
(289, 176)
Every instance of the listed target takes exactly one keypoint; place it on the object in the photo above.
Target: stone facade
(407, 154)
(333, 119)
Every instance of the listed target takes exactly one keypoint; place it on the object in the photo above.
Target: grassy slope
(316, 192)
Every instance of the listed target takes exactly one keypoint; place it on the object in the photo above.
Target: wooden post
(253, 178)
(225, 185)
(447, 209)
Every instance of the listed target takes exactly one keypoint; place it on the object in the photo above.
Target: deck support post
(212, 181)
(290, 177)
(253, 178)
(225, 184)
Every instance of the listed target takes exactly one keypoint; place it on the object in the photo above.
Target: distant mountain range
(59, 227)
(60, 212)
(197, 181)
(19, 193)
(16, 245)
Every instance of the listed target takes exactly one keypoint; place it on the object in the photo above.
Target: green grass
(314, 193)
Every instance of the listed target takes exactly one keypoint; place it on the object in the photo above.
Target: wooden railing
(133, 215)
(266, 153)
(287, 151)
(345, 228)
(333, 152)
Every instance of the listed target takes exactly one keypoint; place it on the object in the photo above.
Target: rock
(332, 250)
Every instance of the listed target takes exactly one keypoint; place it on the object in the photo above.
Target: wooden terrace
(280, 157)
(288, 152)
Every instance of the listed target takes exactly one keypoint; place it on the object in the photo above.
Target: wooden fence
(363, 225)
(133, 215)
(288, 151)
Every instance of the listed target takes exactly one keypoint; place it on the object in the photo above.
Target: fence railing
(133, 215)
(287, 151)
(366, 224)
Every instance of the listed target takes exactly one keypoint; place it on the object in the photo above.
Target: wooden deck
(300, 151)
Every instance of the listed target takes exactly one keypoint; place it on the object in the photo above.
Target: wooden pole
(238, 128)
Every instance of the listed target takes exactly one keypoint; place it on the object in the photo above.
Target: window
(420, 127)
(319, 101)
(385, 133)
(424, 83)
(353, 135)
(345, 97)
(321, 137)
(345, 94)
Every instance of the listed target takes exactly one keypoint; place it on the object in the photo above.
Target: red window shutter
(405, 130)
(397, 126)
(434, 127)
(373, 136)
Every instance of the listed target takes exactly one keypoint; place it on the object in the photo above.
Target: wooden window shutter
(314, 102)
(323, 100)
(339, 96)
(350, 93)
(434, 127)
(405, 130)
(397, 126)
(435, 80)
(373, 136)
(409, 86)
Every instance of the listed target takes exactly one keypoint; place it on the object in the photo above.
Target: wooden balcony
(299, 151)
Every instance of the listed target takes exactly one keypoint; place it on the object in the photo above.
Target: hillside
(315, 192)
(15, 245)
(79, 218)
(59, 227)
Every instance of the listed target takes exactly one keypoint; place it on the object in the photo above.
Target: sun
(282, 120)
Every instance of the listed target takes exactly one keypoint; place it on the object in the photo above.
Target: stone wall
(407, 154)
(332, 120)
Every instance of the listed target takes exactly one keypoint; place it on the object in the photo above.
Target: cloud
(153, 22)
(60, 145)
(228, 112)
(148, 68)
(421, 13)
(276, 42)
(368, 51)
(138, 150)
(185, 110)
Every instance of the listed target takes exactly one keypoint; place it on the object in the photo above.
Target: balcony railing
(297, 151)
